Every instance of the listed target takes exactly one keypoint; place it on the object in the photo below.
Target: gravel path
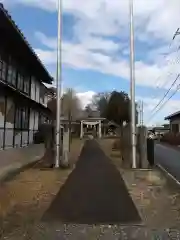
(94, 193)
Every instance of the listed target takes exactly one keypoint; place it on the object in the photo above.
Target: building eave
(46, 78)
(173, 115)
(13, 91)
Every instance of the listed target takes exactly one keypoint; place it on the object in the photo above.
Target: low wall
(18, 157)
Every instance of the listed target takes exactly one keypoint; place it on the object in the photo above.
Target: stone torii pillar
(100, 133)
(81, 132)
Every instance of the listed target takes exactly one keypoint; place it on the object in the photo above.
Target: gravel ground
(156, 197)
(24, 200)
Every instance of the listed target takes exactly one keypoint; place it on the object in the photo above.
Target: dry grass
(114, 155)
(30, 193)
(75, 150)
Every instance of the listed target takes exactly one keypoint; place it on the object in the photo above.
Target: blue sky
(96, 46)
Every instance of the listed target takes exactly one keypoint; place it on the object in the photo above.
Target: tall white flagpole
(132, 91)
(58, 86)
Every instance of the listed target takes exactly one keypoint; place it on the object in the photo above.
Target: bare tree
(100, 102)
(70, 104)
(70, 107)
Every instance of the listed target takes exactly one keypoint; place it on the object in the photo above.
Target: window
(22, 118)
(18, 118)
(3, 67)
(42, 93)
(25, 118)
(27, 85)
(20, 81)
(11, 75)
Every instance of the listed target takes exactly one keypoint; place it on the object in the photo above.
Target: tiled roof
(3, 10)
(172, 115)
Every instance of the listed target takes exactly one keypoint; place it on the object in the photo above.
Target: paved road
(169, 158)
(95, 192)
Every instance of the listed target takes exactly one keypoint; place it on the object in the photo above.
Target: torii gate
(91, 123)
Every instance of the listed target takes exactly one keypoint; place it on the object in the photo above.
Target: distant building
(174, 122)
(23, 96)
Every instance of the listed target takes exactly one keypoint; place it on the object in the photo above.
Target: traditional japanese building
(23, 96)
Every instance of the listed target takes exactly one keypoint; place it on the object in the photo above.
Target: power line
(178, 87)
(176, 62)
(176, 34)
(165, 55)
(167, 92)
(169, 73)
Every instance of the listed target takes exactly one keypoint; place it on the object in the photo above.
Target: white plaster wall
(33, 90)
(37, 91)
(31, 119)
(31, 133)
(41, 100)
(24, 138)
(1, 138)
(9, 125)
(45, 100)
(10, 103)
(17, 141)
(36, 123)
(9, 138)
(1, 123)
(2, 115)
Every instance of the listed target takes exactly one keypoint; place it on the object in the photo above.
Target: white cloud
(159, 18)
(47, 57)
(85, 97)
(46, 41)
(152, 116)
(80, 56)
(155, 21)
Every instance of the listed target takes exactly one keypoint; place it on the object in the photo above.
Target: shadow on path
(94, 193)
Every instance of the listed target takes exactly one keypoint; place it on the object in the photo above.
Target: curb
(11, 174)
(167, 173)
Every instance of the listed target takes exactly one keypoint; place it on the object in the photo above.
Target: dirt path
(94, 192)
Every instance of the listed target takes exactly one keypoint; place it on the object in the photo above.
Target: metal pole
(58, 88)
(142, 109)
(139, 116)
(132, 78)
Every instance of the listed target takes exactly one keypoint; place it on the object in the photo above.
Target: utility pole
(139, 116)
(142, 112)
(58, 88)
(132, 79)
